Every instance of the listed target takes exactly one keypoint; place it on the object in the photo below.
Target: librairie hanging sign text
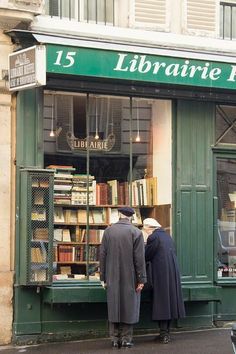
(139, 67)
(27, 68)
(90, 143)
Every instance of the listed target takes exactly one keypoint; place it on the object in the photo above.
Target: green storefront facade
(197, 91)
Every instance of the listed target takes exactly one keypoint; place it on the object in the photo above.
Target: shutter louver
(150, 13)
(201, 15)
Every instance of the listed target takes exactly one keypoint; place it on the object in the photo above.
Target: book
(82, 216)
(137, 217)
(102, 194)
(57, 235)
(35, 182)
(37, 255)
(70, 216)
(79, 276)
(58, 214)
(40, 234)
(114, 191)
(73, 216)
(44, 184)
(66, 253)
(113, 215)
(65, 270)
(66, 235)
(94, 236)
(38, 214)
(98, 216)
(152, 184)
(39, 275)
(39, 197)
(61, 167)
(60, 276)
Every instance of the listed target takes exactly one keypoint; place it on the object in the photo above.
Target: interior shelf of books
(83, 208)
(36, 227)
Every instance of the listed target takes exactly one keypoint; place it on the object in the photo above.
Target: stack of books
(81, 186)
(62, 183)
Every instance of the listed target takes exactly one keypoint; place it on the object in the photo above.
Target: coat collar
(124, 221)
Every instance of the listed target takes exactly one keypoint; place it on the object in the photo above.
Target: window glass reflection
(226, 189)
(121, 167)
(225, 124)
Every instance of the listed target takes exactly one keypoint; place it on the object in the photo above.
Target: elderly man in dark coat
(167, 300)
(122, 268)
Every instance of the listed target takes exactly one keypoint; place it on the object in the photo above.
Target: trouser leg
(114, 331)
(126, 332)
(164, 326)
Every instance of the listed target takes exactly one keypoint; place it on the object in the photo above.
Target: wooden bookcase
(76, 245)
(35, 226)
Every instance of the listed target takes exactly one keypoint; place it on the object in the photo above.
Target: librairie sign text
(140, 67)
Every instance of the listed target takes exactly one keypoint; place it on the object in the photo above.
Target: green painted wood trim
(202, 293)
(74, 293)
(94, 293)
(27, 310)
(193, 190)
(29, 128)
(26, 328)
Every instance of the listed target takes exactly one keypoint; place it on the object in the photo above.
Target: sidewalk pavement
(212, 341)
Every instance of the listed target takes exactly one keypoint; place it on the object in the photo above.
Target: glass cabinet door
(226, 217)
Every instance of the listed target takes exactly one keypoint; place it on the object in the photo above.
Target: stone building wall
(6, 200)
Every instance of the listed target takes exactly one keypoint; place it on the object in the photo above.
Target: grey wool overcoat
(167, 294)
(122, 267)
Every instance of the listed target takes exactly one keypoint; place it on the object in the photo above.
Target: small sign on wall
(27, 68)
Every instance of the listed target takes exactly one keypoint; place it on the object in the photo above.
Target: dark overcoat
(122, 267)
(167, 294)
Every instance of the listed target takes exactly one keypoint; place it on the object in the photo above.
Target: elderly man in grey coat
(122, 268)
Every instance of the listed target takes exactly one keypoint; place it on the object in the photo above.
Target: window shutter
(201, 16)
(54, 8)
(150, 14)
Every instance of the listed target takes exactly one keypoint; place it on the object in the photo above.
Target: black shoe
(115, 344)
(126, 344)
(164, 338)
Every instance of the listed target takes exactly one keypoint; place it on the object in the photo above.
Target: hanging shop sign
(140, 67)
(27, 68)
(90, 143)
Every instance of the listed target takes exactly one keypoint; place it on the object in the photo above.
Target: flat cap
(127, 211)
(150, 222)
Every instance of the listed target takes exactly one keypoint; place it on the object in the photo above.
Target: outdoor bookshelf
(36, 228)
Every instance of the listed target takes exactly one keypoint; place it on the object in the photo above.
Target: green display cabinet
(36, 227)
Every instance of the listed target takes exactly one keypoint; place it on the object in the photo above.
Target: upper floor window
(92, 11)
(228, 20)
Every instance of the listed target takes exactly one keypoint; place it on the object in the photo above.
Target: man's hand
(139, 287)
(104, 285)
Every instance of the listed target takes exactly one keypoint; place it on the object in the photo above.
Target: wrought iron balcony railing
(90, 11)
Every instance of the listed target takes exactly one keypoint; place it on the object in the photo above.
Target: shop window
(92, 11)
(104, 154)
(226, 192)
(228, 20)
(225, 125)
